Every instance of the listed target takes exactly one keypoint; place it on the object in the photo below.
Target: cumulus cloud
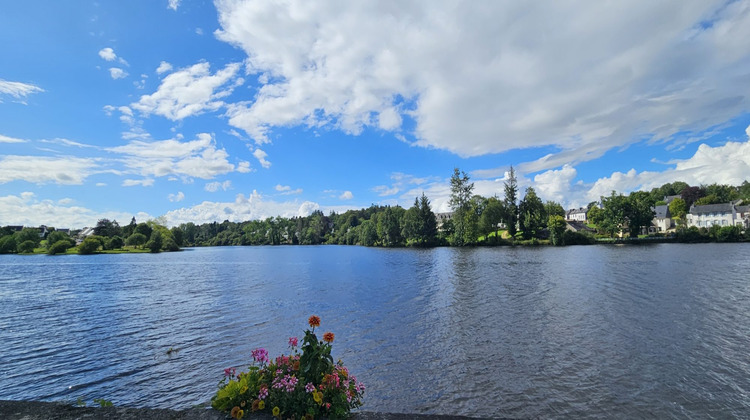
(261, 156)
(725, 164)
(163, 67)
(117, 73)
(287, 190)
(243, 167)
(190, 91)
(198, 158)
(241, 209)
(216, 186)
(17, 90)
(173, 4)
(579, 77)
(66, 170)
(176, 197)
(346, 195)
(26, 209)
(6, 139)
(108, 54)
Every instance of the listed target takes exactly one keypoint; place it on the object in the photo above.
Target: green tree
(531, 214)
(28, 234)
(428, 223)
(136, 240)
(553, 208)
(368, 233)
(107, 228)
(492, 216)
(677, 208)
(556, 225)
(155, 242)
(89, 246)
(144, 229)
(26, 247)
(8, 244)
(59, 247)
(511, 199)
(411, 224)
(614, 211)
(639, 212)
(461, 192)
(115, 242)
(57, 236)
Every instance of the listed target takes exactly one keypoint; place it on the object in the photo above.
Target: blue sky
(204, 111)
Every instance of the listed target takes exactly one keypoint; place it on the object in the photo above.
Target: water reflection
(629, 332)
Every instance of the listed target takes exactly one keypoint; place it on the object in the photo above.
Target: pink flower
(230, 371)
(260, 355)
(263, 393)
(309, 387)
(293, 342)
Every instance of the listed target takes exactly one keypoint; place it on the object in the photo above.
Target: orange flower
(328, 337)
(234, 412)
(314, 321)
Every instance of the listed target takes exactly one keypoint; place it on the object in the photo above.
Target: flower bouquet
(306, 384)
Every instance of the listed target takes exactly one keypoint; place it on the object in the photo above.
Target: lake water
(653, 331)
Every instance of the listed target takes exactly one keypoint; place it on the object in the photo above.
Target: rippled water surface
(660, 331)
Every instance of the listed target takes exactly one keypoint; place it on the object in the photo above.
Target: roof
(742, 209)
(662, 212)
(712, 208)
(668, 198)
(577, 211)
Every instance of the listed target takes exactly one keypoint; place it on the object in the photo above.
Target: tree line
(474, 220)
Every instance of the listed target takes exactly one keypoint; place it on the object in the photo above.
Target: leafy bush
(8, 244)
(89, 246)
(26, 247)
(307, 385)
(136, 239)
(59, 247)
(115, 242)
(577, 238)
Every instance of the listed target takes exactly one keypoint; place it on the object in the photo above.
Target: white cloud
(261, 156)
(401, 181)
(66, 170)
(287, 190)
(6, 139)
(243, 167)
(18, 90)
(173, 4)
(146, 182)
(176, 197)
(215, 186)
(580, 77)
(25, 209)
(189, 92)
(117, 73)
(346, 195)
(725, 164)
(108, 54)
(163, 67)
(198, 158)
(555, 184)
(241, 209)
(199, 31)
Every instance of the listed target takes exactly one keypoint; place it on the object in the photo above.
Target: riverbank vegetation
(474, 221)
(105, 238)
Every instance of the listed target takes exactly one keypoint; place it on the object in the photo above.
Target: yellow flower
(275, 411)
(240, 414)
(318, 397)
(261, 405)
(243, 390)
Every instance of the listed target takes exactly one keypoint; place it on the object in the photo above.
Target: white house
(576, 215)
(725, 214)
(662, 221)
